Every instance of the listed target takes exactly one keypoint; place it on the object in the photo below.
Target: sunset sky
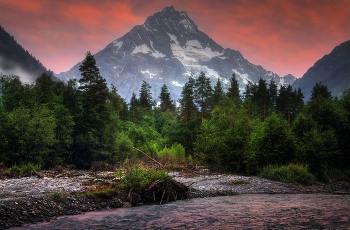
(282, 36)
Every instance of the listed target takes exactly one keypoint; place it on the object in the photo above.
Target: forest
(77, 123)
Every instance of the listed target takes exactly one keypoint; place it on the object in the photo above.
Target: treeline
(54, 123)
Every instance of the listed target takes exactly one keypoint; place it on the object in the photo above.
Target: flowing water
(262, 211)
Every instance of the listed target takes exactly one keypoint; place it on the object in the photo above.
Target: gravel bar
(24, 200)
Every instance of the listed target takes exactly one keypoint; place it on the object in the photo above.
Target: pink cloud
(282, 36)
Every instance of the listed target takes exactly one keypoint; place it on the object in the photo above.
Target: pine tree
(145, 96)
(165, 100)
(233, 91)
(322, 90)
(203, 94)
(115, 100)
(134, 103)
(272, 93)
(251, 91)
(187, 106)
(93, 86)
(263, 97)
(218, 92)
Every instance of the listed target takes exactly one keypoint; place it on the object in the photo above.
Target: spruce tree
(145, 96)
(93, 86)
(165, 100)
(233, 90)
(203, 94)
(134, 103)
(187, 106)
(251, 91)
(272, 93)
(218, 92)
(320, 90)
(262, 97)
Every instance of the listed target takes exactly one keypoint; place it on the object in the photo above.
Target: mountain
(15, 60)
(166, 49)
(332, 70)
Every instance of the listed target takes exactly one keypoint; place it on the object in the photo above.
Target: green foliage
(146, 96)
(138, 177)
(55, 123)
(271, 143)
(24, 169)
(292, 173)
(203, 94)
(233, 90)
(165, 100)
(223, 140)
(176, 149)
(320, 90)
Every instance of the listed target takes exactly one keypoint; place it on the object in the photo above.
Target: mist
(16, 70)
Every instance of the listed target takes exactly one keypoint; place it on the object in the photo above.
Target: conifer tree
(145, 96)
(272, 93)
(322, 90)
(134, 102)
(218, 92)
(165, 100)
(233, 90)
(93, 86)
(263, 97)
(251, 91)
(203, 94)
(186, 101)
(115, 100)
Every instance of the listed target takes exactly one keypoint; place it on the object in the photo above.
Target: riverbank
(25, 200)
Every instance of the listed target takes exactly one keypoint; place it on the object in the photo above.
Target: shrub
(292, 173)
(272, 142)
(339, 175)
(138, 177)
(25, 168)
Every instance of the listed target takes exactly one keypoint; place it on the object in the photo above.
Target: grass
(292, 173)
(138, 177)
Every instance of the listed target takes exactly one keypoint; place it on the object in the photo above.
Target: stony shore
(25, 200)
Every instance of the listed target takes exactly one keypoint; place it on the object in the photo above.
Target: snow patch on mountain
(149, 73)
(146, 50)
(245, 77)
(157, 54)
(177, 84)
(118, 44)
(192, 53)
(194, 43)
(187, 24)
(141, 49)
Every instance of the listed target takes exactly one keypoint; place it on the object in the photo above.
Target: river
(258, 211)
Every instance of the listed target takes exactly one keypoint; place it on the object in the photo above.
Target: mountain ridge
(166, 49)
(332, 69)
(15, 60)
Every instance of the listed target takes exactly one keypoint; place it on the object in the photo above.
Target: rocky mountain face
(15, 60)
(332, 70)
(166, 49)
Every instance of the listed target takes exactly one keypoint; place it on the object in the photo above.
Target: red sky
(282, 36)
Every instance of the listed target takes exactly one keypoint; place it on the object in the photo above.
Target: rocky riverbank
(26, 200)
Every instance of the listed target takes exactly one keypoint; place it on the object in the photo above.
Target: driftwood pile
(168, 190)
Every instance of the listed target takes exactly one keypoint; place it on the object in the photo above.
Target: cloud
(282, 36)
